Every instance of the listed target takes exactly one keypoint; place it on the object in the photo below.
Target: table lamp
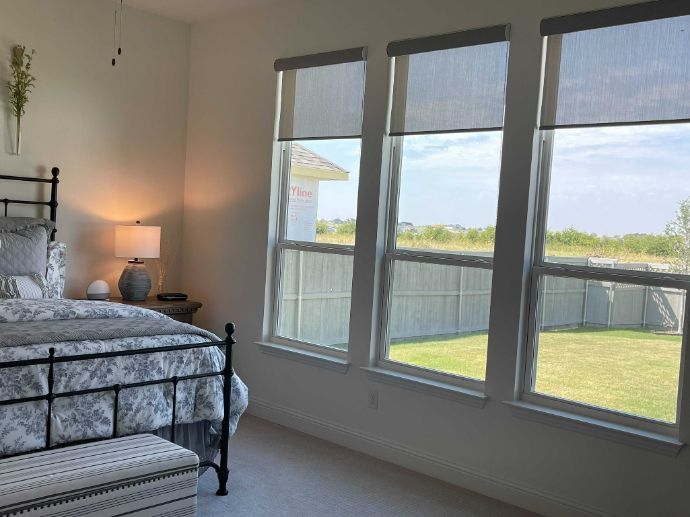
(135, 243)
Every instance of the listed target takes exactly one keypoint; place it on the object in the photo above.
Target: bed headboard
(53, 203)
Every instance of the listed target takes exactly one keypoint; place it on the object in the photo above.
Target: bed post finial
(55, 172)
(230, 330)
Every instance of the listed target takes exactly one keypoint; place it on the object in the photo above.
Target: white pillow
(32, 286)
(55, 272)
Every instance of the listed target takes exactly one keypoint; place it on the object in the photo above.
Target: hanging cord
(122, 9)
(114, 37)
(117, 31)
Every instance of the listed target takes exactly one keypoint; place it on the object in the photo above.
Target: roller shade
(322, 95)
(438, 89)
(617, 74)
(635, 13)
(448, 41)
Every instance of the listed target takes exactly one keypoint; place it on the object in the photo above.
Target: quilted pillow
(23, 251)
(55, 274)
(31, 286)
(12, 224)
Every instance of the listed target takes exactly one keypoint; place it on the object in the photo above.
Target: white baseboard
(503, 489)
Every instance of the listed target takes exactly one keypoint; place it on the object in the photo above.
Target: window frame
(282, 244)
(540, 268)
(391, 254)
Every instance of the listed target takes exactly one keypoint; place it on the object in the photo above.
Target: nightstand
(181, 310)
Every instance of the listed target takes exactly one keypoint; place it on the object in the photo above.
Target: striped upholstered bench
(140, 475)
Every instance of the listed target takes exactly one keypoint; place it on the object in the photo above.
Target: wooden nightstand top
(180, 310)
(153, 303)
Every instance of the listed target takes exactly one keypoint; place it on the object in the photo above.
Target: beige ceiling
(195, 10)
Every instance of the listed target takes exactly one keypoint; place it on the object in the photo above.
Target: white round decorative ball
(98, 290)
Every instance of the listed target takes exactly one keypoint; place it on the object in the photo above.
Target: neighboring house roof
(306, 162)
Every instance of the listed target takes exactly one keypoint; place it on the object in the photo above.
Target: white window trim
(540, 268)
(297, 352)
(277, 344)
(404, 372)
(602, 429)
(424, 384)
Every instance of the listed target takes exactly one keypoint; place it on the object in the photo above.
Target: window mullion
(538, 252)
(371, 215)
(316, 247)
(277, 291)
(530, 360)
(544, 179)
(683, 405)
(394, 192)
(515, 218)
(393, 198)
(386, 299)
(284, 190)
(647, 278)
(444, 259)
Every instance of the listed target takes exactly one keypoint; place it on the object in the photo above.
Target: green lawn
(634, 371)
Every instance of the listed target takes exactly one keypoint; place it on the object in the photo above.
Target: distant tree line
(671, 247)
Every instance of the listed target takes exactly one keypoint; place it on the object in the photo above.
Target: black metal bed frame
(53, 203)
(226, 373)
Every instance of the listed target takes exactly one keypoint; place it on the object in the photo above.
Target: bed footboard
(221, 468)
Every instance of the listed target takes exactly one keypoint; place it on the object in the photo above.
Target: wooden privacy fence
(572, 303)
(432, 299)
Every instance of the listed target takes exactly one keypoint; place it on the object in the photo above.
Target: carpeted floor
(278, 472)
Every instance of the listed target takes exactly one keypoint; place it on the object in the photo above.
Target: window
(590, 284)
(446, 125)
(319, 134)
(610, 279)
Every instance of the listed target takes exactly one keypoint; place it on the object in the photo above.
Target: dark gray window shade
(635, 13)
(624, 74)
(322, 102)
(458, 89)
(448, 41)
(324, 58)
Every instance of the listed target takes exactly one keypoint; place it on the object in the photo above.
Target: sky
(608, 181)
(619, 180)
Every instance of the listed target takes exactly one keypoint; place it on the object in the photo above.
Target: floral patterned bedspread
(22, 426)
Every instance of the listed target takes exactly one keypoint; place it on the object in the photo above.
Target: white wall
(227, 200)
(118, 134)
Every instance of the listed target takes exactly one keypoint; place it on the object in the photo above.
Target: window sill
(466, 396)
(329, 362)
(626, 435)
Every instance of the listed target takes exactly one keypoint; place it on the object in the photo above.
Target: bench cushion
(134, 475)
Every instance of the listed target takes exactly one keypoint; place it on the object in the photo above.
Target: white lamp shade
(138, 241)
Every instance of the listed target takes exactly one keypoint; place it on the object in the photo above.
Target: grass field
(552, 250)
(634, 371)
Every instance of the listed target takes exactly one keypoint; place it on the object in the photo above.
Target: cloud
(450, 178)
(620, 179)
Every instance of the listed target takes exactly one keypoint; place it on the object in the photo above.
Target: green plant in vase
(20, 85)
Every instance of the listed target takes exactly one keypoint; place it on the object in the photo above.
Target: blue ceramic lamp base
(135, 282)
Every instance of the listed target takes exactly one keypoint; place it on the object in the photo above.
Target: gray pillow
(23, 252)
(12, 224)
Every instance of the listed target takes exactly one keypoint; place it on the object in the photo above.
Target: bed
(73, 371)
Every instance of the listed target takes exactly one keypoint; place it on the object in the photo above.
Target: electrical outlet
(373, 399)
